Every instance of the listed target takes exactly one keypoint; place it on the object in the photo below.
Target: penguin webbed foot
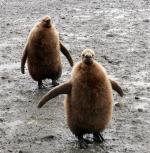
(40, 85)
(55, 83)
(83, 144)
(97, 137)
(22, 70)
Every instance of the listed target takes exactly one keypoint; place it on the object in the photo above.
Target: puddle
(82, 38)
(32, 120)
(142, 106)
(139, 83)
(15, 123)
(119, 16)
(5, 45)
(10, 66)
(83, 17)
(145, 99)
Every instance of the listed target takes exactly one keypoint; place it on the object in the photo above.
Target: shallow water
(10, 66)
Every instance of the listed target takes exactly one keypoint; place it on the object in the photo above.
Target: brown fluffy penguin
(88, 103)
(42, 52)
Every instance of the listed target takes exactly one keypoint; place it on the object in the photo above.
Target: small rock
(106, 27)
(19, 141)
(146, 20)
(118, 105)
(137, 121)
(3, 77)
(58, 8)
(62, 17)
(110, 35)
(1, 120)
(136, 97)
(140, 110)
(9, 81)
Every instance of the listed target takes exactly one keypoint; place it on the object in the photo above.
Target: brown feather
(64, 88)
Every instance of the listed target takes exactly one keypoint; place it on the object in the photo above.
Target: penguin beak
(88, 59)
(47, 22)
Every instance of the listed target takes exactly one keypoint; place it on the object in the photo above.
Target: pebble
(62, 17)
(146, 20)
(136, 97)
(1, 120)
(140, 110)
(110, 35)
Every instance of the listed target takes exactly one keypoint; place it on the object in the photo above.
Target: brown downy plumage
(42, 52)
(88, 103)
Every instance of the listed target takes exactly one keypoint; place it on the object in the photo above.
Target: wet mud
(118, 32)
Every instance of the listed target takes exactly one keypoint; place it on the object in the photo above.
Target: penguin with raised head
(42, 52)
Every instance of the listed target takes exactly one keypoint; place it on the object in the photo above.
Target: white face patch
(46, 18)
(88, 56)
(88, 52)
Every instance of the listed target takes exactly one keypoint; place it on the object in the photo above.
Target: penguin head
(88, 56)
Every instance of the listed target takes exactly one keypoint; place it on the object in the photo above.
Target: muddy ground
(118, 31)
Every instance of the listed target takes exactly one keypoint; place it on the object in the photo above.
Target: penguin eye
(44, 20)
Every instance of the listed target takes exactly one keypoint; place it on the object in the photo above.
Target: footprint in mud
(48, 138)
